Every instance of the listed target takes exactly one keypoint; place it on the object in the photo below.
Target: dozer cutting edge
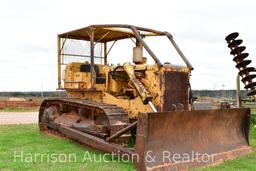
(147, 100)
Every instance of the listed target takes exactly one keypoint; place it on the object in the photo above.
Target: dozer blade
(185, 139)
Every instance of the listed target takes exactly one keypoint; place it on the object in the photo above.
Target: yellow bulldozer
(144, 100)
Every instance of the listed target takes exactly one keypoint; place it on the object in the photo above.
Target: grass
(26, 139)
(12, 109)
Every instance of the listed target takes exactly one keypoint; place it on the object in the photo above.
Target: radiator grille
(176, 89)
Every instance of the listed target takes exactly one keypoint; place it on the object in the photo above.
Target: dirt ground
(18, 117)
(18, 104)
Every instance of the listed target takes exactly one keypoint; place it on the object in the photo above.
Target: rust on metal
(242, 65)
(105, 101)
(121, 132)
(232, 36)
(105, 115)
(176, 92)
(170, 37)
(235, 43)
(246, 70)
(240, 57)
(186, 132)
(236, 50)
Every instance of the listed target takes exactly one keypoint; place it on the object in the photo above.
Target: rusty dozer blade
(198, 138)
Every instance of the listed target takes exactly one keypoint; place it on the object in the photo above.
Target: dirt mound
(19, 104)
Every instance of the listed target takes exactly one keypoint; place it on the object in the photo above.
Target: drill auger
(239, 57)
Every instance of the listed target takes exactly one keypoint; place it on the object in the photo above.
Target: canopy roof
(106, 33)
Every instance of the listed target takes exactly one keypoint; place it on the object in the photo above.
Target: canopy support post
(59, 61)
(92, 57)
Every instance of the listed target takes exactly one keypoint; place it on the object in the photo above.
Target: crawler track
(112, 117)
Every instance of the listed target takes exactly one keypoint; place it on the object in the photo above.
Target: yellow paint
(114, 90)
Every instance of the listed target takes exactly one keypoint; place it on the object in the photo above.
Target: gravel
(18, 117)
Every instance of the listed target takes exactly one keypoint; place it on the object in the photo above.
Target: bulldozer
(109, 106)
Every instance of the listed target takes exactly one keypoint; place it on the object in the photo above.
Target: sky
(29, 28)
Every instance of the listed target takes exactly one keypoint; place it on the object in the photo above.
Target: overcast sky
(29, 31)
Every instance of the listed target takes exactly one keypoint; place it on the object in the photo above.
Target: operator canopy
(106, 33)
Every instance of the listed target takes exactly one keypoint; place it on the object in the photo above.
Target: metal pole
(129, 26)
(179, 51)
(92, 56)
(59, 62)
(105, 53)
(122, 131)
(152, 106)
(238, 93)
